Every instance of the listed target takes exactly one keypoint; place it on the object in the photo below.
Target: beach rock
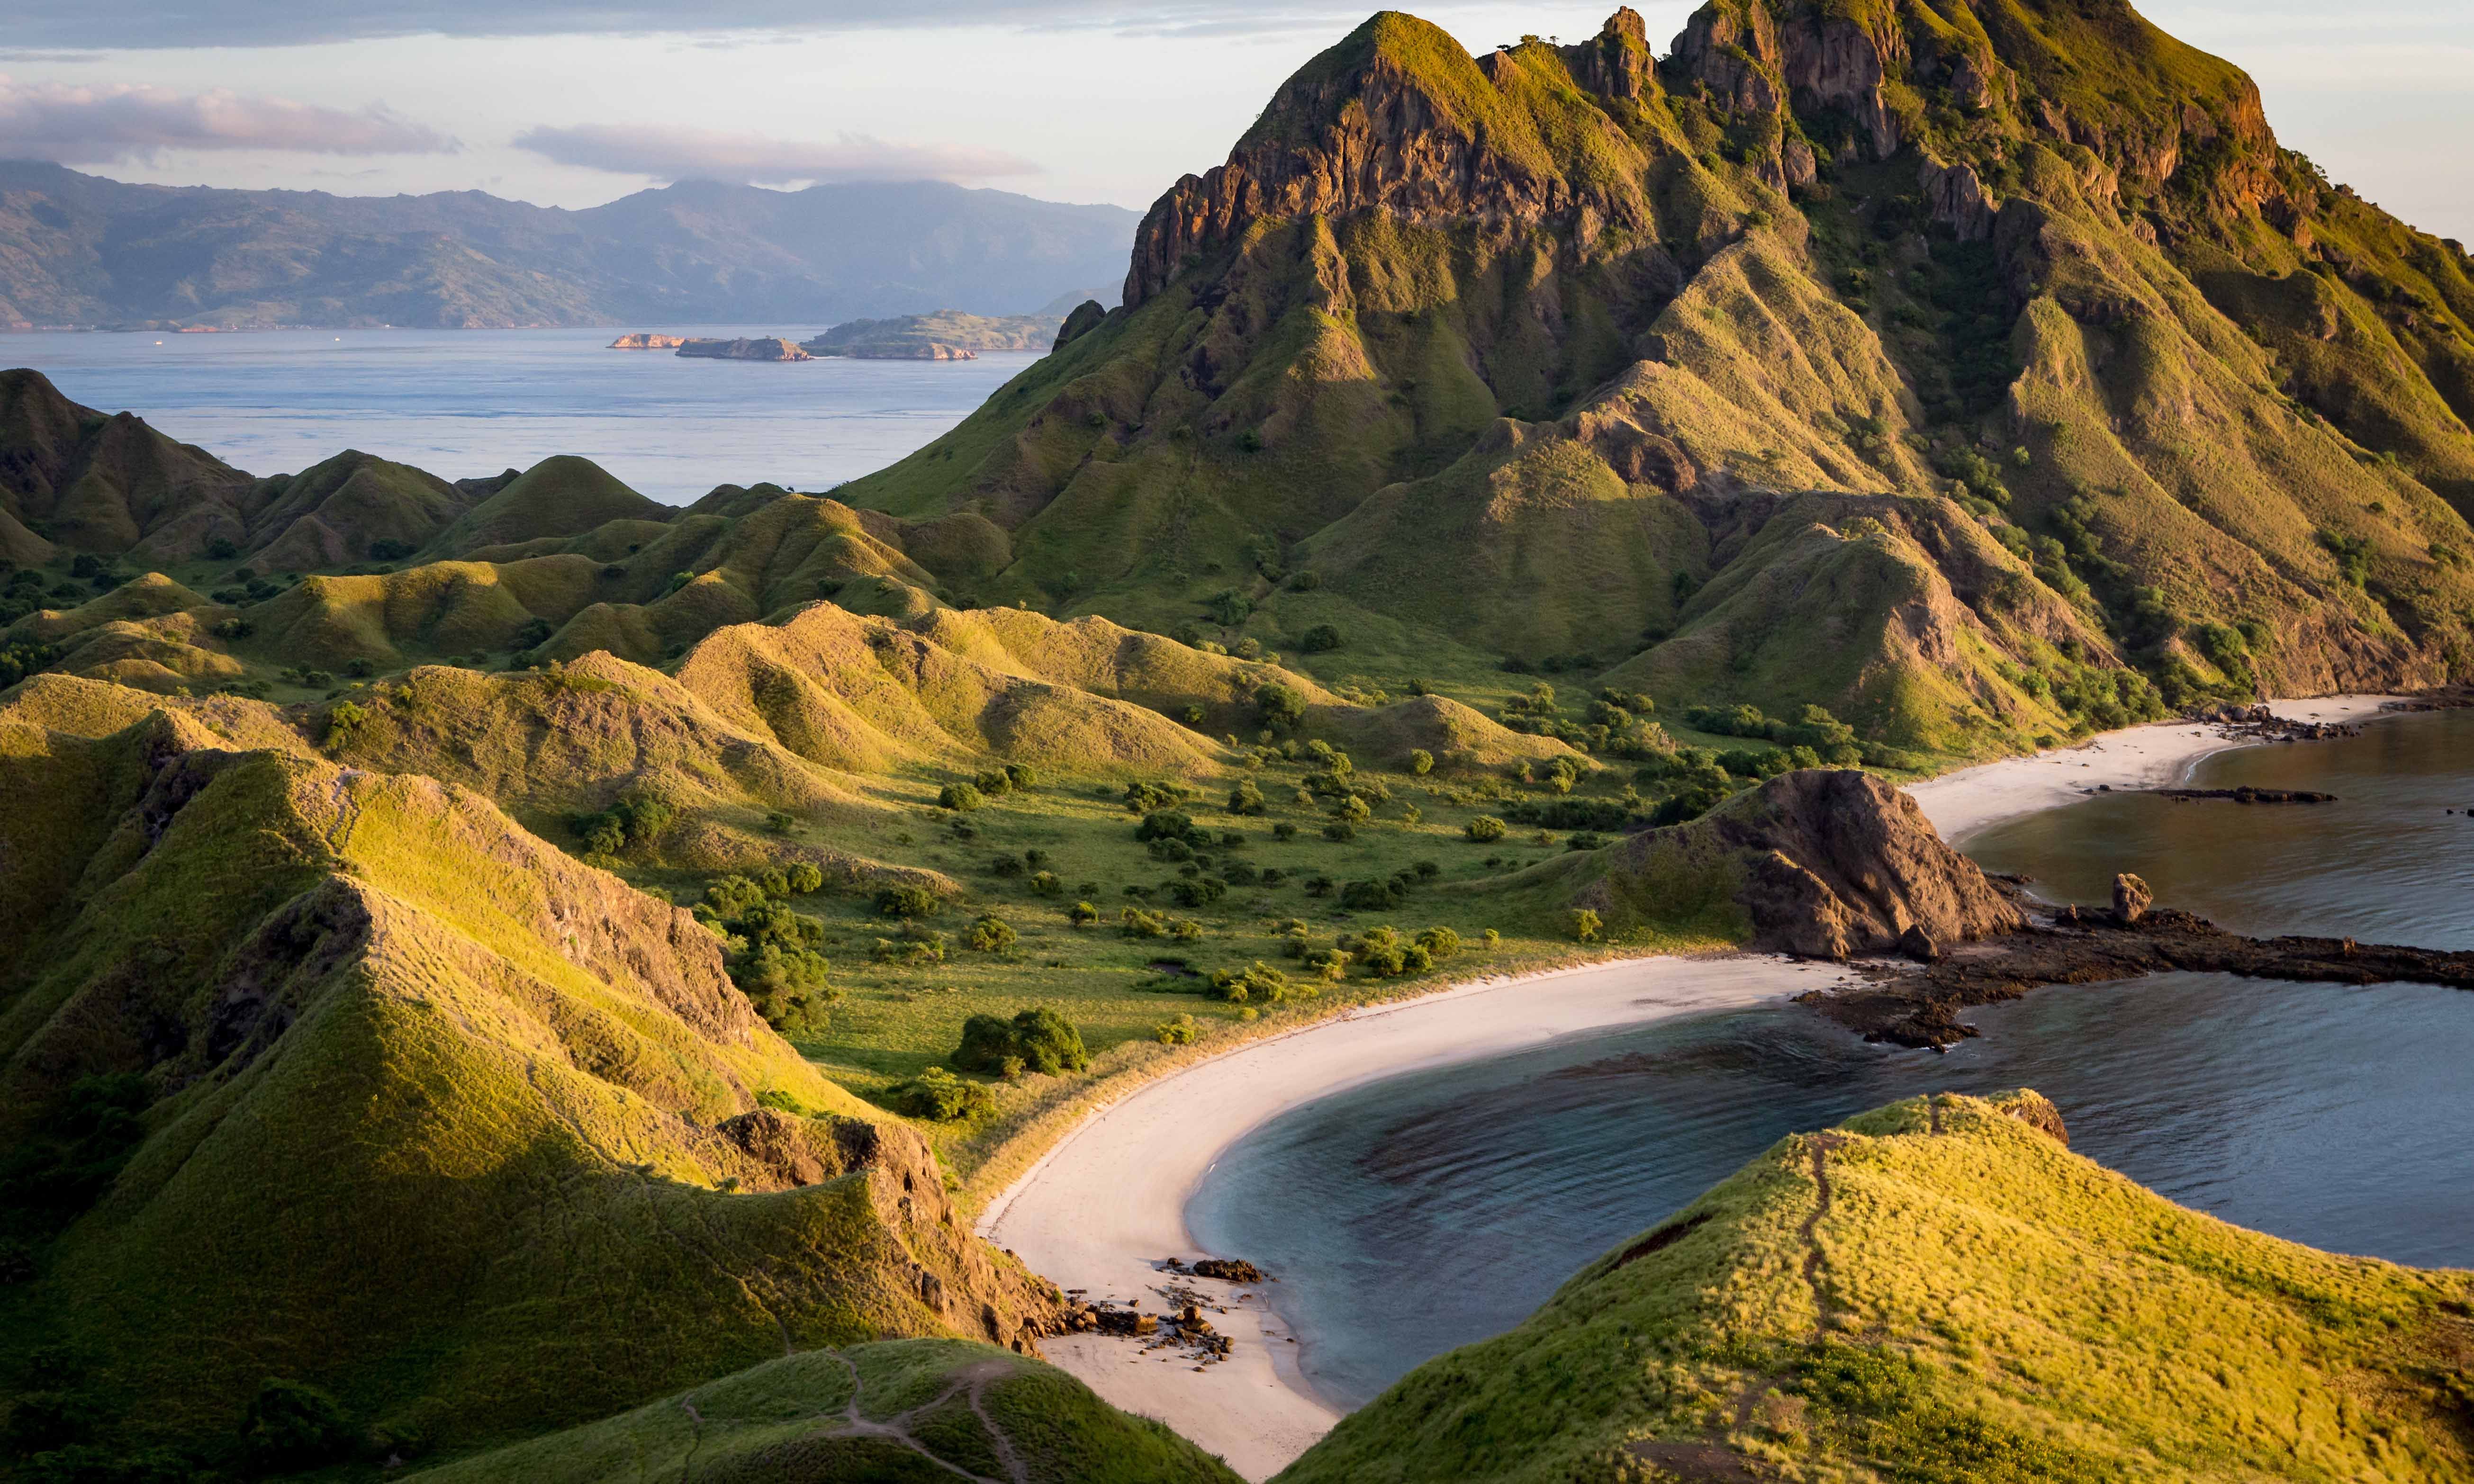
(2130, 899)
(1918, 944)
(1826, 863)
(642, 341)
(1232, 1270)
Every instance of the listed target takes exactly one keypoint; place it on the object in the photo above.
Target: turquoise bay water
(467, 402)
(1423, 1213)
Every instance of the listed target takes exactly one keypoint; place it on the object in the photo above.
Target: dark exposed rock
(1918, 944)
(1232, 1270)
(1084, 318)
(2248, 795)
(1828, 864)
(1920, 1007)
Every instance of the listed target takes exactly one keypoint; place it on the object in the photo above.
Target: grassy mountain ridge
(421, 1108)
(2036, 270)
(83, 251)
(1939, 1289)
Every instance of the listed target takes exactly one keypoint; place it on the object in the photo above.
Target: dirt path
(896, 1430)
(1815, 1265)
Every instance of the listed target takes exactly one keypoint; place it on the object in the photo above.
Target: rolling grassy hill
(1940, 1290)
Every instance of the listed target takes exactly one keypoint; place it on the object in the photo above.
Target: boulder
(2131, 898)
(1918, 944)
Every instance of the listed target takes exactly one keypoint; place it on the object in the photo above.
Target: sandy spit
(2158, 755)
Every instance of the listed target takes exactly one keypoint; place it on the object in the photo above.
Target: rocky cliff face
(1822, 863)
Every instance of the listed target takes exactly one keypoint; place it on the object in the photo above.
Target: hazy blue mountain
(78, 249)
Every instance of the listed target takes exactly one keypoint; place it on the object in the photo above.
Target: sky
(576, 101)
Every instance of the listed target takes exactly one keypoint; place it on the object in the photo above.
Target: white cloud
(75, 123)
(668, 152)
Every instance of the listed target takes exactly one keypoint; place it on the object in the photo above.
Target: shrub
(1179, 1032)
(1281, 707)
(1352, 809)
(1320, 639)
(1135, 922)
(1185, 930)
(1370, 896)
(1420, 761)
(1169, 824)
(992, 934)
(1327, 964)
(1038, 1039)
(1284, 831)
(1259, 984)
(804, 877)
(1491, 940)
(1047, 883)
(906, 901)
(1484, 829)
(1240, 873)
(292, 1425)
(1197, 891)
(345, 721)
(633, 819)
(959, 797)
(1147, 798)
(1246, 798)
(1339, 830)
(939, 1094)
(1584, 925)
(994, 783)
(1082, 913)
(1022, 775)
(1584, 840)
(1440, 943)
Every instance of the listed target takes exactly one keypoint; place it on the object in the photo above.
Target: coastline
(2159, 754)
(1107, 1204)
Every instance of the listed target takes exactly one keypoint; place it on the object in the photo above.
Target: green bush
(1484, 829)
(1370, 896)
(1258, 984)
(633, 821)
(1420, 761)
(1135, 922)
(992, 934)
(1246, 798)
(1440, 943)
(1340, 831)
(960, 797)
(939, 1094)
(1038, 1039)
(292, 1425)
(1281, 707)
(805, 878)
(1179, 1032)
(1082, 913)
(1320, 639)
(906, 901)
(1584, 925)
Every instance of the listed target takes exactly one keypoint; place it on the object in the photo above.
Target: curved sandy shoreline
(1106, 1203)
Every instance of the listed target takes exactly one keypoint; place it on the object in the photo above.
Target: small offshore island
(509, 979)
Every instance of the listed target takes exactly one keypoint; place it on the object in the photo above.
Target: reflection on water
(1421, 1213)
(2387, 863)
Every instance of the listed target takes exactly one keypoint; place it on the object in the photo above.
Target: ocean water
(468, 402)
(1421, 1213)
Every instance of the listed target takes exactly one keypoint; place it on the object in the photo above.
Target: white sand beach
(2157, 755)
(1106, 1205)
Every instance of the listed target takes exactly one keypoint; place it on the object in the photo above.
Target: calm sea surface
(469, 402)
(1417, 1214)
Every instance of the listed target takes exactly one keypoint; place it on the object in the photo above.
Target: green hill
(918, 336)
(1940, 1290)
(1871, 358)
(341, 1078)
(875, 1414)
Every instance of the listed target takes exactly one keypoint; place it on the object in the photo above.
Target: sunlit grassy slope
(1940, 1290)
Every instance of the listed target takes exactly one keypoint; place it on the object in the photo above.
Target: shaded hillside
(1868, 357)
(81, 251)
(340, 1077)
(1940, 1289)
(875, 1414)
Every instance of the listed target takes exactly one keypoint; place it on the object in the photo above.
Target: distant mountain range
(81, 250)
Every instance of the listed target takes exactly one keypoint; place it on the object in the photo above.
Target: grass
(783, 1420)
(1938, 1290)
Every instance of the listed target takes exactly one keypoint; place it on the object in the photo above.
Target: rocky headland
(645, 341)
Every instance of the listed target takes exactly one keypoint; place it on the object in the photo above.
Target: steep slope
(1567, 323)
(88, 482)
(410, 1107)
(81, 250)
(1941, 1291)
(872, 1414)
